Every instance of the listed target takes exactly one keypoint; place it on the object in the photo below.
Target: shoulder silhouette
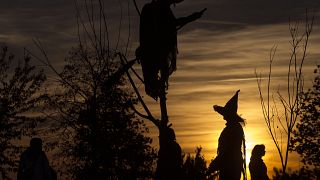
(258, 169)
(34, 164)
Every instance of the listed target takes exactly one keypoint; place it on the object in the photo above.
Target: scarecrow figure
(158, 43)
(229, 161)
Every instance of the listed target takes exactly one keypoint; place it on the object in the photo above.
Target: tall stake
(163, 103)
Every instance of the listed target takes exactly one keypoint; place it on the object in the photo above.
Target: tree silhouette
(281, 120)
(100, 137)
(20, 95)
(306, 137)
(292, 174)
(93, 61)
(194, 167)
(157, 55)
(105, 140)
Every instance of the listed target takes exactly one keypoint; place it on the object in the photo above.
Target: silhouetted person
(229, 161)
(257, 167)
(34, 163)
(169, 156)
(158, 43)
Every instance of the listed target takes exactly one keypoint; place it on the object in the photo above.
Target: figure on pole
(157, 54)
(158, 43)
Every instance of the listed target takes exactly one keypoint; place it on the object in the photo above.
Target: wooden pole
(163, 103)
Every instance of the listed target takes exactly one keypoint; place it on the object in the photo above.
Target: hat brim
(219, 109)
(222, 110)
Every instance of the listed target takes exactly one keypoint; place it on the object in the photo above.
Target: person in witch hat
(229, 161)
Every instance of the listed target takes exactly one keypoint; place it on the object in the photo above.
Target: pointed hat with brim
(230, 109)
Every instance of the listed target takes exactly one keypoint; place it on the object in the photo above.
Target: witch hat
(230, 109)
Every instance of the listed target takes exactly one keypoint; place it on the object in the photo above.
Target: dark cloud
(54, 22)
(251, 11)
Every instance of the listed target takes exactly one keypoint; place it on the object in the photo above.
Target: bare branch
(136, 6)
(150, 117)
(287, 115)
(120, 25)
(47, 63)
(140, 114)
(129, 30)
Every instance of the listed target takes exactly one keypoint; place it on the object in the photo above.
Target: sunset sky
(218, 54)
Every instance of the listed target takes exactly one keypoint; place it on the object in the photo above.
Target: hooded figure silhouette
(34, 164)
(229, 161)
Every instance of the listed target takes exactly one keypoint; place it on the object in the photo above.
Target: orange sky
(206, 80)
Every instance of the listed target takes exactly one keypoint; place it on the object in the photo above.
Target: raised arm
(180, 22)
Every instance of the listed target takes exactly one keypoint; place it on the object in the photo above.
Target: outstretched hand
(185, 20)
(198, 15)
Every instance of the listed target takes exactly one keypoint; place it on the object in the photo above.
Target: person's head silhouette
(257, 167)
(171, 135)
(168, 134)
(36, 144)
(258, 151)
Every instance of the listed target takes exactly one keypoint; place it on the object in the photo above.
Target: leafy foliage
(19, 97)
(101, 138)
(195, 167)
(307, 134)
(292, 175)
